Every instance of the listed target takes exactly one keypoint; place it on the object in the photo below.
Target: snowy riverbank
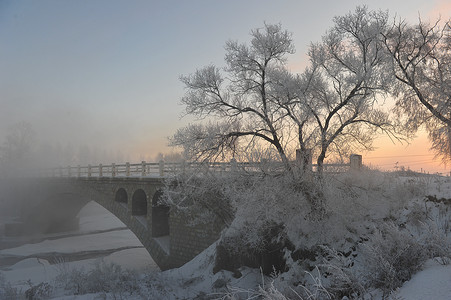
(103, 242)
(43, 261)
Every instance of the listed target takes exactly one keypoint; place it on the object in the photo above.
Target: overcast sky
(105, 73)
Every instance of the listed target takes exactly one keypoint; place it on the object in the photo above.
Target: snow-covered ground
(103, 236)
(433, 282)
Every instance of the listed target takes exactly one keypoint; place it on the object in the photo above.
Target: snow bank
(433, 282)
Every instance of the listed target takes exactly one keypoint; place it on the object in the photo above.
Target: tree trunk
(284, 158)
(320, 162)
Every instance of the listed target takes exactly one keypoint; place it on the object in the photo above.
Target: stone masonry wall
(188, 240)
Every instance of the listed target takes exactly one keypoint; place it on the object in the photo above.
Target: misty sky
(105, 73)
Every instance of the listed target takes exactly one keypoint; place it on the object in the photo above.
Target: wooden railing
(161, 169)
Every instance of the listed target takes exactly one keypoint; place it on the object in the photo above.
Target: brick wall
(187, 239)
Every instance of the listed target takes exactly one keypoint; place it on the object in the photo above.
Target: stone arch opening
(160, 216)
(121, 196)
(139, 203)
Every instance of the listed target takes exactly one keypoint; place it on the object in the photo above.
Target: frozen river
(101, 236)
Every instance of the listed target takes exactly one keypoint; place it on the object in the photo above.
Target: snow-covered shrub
(417, 214)
(269, 292)
(438, 244)
(265, 250)
(298, 220)
(436, 229)
(7, 292)
(72, 280)
(428, 218)
(366, 179)
(265, 208)
(312, 290)
(40, 291)
(413, 187)
(156, 286)
(343, 279)
(254, 206)
(200, 198)
(106, 278)
(391, 257)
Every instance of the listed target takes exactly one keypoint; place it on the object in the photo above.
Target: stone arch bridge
(169, 237)
(130, 192)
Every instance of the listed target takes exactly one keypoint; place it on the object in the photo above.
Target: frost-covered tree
(289, 93)
(17, 145)
(348, 73)
(421, 56)
(240, 98)
(331, 107)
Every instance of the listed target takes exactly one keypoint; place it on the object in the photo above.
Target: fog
(72, 129)
(105, 77)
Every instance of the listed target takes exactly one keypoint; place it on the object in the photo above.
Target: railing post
(127, 169)
(355, 162)
(161, 167)
(100, 170)
(304, 159)
(143, 168)
(89, 170)
(113, 170)
(233, 165)
(78, 171)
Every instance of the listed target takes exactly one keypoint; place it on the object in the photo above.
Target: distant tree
(17, 145)
(421, 56)
(241, 101)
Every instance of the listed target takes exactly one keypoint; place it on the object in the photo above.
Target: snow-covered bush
(40, 291)
(7, 292)
(343, 279)
(391, 256)
(255, 208)
(265, 250)
(200, 198)
(103, 278)
(313, 290)
(436, 228)
(330, 223)
(438, 244)
(268, 210)
(428, 218)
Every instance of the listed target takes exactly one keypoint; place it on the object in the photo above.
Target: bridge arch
(121, 196)
(139, 203)
(160, 216)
